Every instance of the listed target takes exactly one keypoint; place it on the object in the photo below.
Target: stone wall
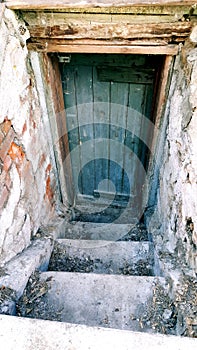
(173, 225)
(27, 181)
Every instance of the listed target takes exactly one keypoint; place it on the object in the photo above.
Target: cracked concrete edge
(56, 228)
(29, 334)
(16, 272)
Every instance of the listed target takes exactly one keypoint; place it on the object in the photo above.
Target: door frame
(52, 76)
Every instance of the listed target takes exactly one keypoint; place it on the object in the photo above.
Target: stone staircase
(98, 277)
(99, 286)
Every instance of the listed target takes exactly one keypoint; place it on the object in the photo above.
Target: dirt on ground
(61, 261)
(162, 313)
(170, 311)
(137, 233)
(175, 315)
(33, 303)
(7, 300)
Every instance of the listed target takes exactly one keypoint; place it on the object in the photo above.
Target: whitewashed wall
(27, 185)
(174, 223)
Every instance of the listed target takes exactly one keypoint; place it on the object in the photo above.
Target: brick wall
(27, 181)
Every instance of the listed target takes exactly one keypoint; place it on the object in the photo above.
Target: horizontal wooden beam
(49, 18)
(63, 4)
(92, 42)
(51, 46)
(110, 31)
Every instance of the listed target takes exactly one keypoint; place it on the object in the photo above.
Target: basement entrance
(109, 99)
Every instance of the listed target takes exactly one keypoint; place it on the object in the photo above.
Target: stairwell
(99, 275)
(91, 286)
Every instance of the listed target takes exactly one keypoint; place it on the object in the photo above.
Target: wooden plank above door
(61, 25)
(62, 4)
(59, 47)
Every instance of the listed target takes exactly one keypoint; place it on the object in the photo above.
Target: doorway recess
(109, 102)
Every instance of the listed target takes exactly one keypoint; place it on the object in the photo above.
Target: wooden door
(108, 99)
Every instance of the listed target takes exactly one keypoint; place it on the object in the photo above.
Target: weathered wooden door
(108, 99)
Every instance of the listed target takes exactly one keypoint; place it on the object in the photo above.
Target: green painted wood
(119, 112)
(107, 98)
(84, 100)
(101, 130)
(125, 75)
(112, 60)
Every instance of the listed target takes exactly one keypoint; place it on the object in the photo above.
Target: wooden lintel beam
(113, 49)
(63, 4)
(109, 31)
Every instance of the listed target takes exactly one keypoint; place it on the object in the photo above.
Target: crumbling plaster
(28, 185)
(173, 225)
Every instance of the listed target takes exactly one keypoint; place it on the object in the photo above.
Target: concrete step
(108, 212)
(128, 258)
(28, 334)
(104, 231)
(112, 301)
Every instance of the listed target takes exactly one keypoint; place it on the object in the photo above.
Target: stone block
(193, 35)
(20, 268)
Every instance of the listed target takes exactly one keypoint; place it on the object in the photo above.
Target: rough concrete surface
(30, 334)
(102, 256)
(97, 231)
(113, 301)
(15, 273)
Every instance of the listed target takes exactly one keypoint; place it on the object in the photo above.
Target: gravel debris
(137, 233)
(33, 303)
(175, 315)
(7, 300)
(141, 268)
(61, 261)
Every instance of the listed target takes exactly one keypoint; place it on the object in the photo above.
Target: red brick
(48, 169)
(8, 181)
(42, 160)
(6, 126)
(16, 152)
(49, 191)
(5, 146)
(3, 197)
(1, 137)
(7, 163)
(2, 179)
(34, 124)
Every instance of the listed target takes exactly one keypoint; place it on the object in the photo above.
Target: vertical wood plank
(133, 126)
(119, 110)
(101, 128)
(84, 100)
(69, 90)
(59, 109)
